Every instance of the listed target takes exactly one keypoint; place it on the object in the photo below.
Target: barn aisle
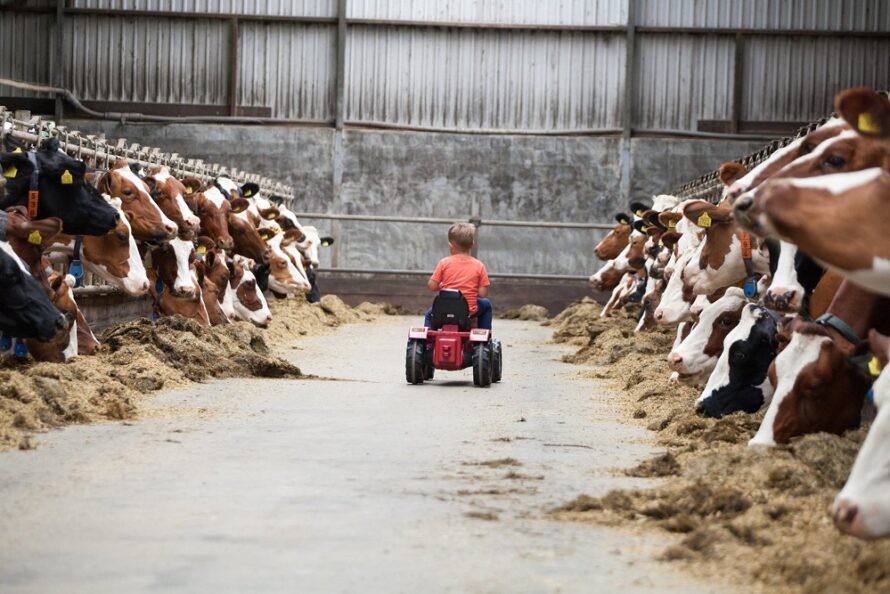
(362, 483)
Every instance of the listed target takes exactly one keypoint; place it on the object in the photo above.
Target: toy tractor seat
(451, 308)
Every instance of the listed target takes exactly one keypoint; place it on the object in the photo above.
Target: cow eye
(835, 161)
(127, 191)
(121, 236)
(725, 322)
(739, 357)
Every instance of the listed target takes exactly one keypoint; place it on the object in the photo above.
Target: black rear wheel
(414, 367)
(497, 360)
(482, 365)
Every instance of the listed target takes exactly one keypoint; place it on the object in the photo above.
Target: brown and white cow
(816, 387)
(249, 303)
(696, 356)
(169, 193)
(113, 256)
(174, 283)
(147, 220)
(616, 240)
(66, 346)
(862, 508)
(212, 208)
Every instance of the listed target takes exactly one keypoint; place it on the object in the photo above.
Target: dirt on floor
(740, 515)
(530, 312)
(141, 357)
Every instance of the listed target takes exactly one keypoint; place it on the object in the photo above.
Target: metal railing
(479, 222)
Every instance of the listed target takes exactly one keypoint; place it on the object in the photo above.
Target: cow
(616, 240)
(25, 309)
(739, 381)
(862, 507)
(816, 387)
(175, 285)
(169, 194)
(719, 260)
(246, 236)
(212, 209)
(249, 303)
(284, 276)
(606, 278)
(65, 346)
(696, 356)
(61, 190)
(112, 256)
(211, 293)
(147, 221)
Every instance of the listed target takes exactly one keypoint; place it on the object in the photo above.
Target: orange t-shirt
(462, 272)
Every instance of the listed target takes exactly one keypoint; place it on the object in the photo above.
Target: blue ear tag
(5, 342)
(21, 351)
(750, 288)
(76, 270)
(870, 395)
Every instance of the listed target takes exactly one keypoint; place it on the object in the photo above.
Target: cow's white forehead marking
(720, 375)
(214, 195)
(838, 183)
(802, 350)
(228, 185)
(162, 174)
(140, 185)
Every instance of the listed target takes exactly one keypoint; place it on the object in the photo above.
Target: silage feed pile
(739, 514)
(141, 357)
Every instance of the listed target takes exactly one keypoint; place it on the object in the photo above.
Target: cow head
(25, 309)
(211, 295)
(147, 221)
(616, 240)
(696, 356)
(169, 193)
(606, 278)
(247, 239)
(862, 508)
(739, 381)
(249, 303)
(173, 262)
(65, 346)
(212, 209)
(63, 192)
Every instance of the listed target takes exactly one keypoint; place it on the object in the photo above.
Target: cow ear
(670, 239)
(880, 346)
(638, 208)
(731, 172)
(327, 241)
(669, 220)
(266, 233)
(192, 184)
(866, 111)
(250, 189)
(295, 234)
(622, 218)
(704, 214)
(151, 182)
(55, 281)
(270, 214)
(239, 205)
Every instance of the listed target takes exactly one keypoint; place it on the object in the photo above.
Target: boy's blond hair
(463, 235)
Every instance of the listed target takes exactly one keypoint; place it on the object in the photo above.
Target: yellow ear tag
(202, 249)
(644, 228)
(35, 237)
(270, 216)
(874, 367)
(67, 178)
(248, 193)
(868, 123)
(672, 224)
(18, 149)
(188, 190)
(704, 221)
(639, 213)
(11, 172)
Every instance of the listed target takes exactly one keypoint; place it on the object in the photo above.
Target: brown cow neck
(860, 309)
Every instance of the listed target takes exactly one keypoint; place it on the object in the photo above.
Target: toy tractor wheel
(414, 367)
(482, 365)
(497, 361)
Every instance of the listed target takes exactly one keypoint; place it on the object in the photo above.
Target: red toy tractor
(451, 343)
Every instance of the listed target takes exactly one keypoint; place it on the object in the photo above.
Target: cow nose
(675, 362)
(700, 408)
(144, 286)
(744, 203)
(63, 322)
(845, 514)
(171, 229)
(659, 315)
(226, 244)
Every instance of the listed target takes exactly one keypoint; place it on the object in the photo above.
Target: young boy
(462, 271)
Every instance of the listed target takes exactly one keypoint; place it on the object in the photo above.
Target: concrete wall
(447, 175)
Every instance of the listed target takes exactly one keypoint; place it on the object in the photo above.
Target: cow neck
(850, 314)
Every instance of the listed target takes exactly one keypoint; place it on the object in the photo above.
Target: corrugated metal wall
(315, 8)
(289, 67)
(821, 15)
(683, 79)
(459, 78)
(526, 12)
(484, 79)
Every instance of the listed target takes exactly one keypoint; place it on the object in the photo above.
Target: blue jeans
(484, 314)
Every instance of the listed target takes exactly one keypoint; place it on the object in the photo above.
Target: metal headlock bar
(98, 151)
(709, 187)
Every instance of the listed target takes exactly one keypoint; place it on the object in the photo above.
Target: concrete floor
(363, 484)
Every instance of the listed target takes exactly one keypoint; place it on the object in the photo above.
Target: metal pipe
(441, 221)
(571, 277)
